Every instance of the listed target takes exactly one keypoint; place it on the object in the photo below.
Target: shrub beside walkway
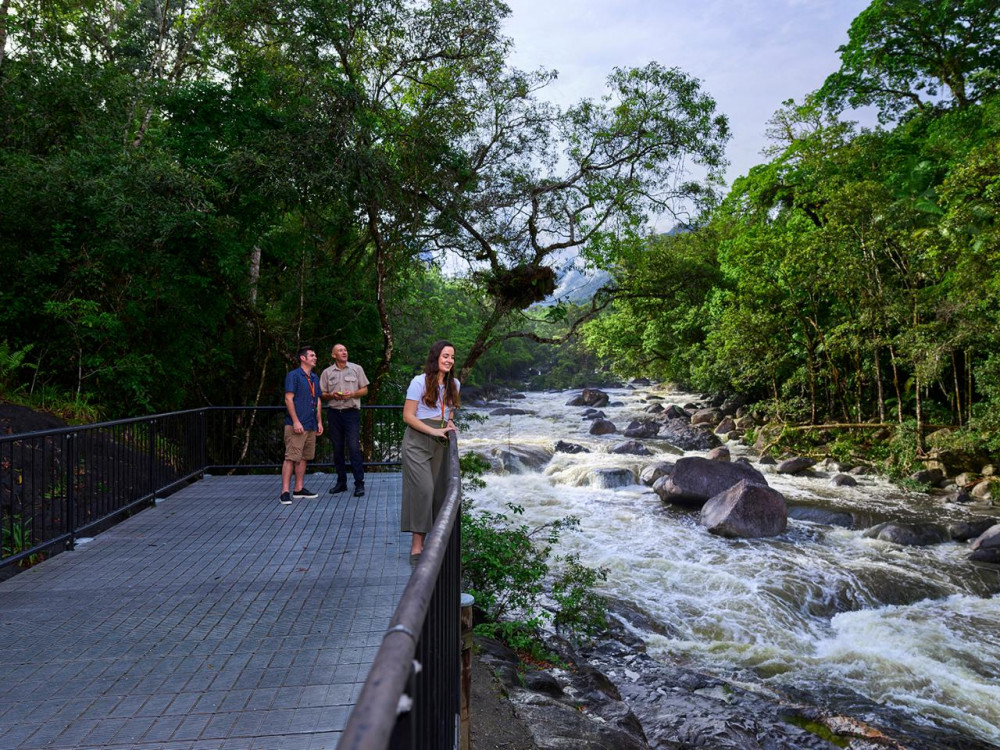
(218, 619)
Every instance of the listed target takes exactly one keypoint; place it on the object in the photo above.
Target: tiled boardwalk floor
(218, 619)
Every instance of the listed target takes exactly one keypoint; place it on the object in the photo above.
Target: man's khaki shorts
(299, 446)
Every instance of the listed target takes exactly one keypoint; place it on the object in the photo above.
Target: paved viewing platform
(218, 619)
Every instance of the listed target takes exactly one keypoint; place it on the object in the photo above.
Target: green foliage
(16, 537)
(506, 566)
(11, 361)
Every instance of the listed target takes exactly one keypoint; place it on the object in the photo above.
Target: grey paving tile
(217, 619)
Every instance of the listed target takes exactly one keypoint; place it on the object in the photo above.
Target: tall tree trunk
(920, 413)
(4, 12)
(958, 388)
(482, 343)
(388, 339)
(878, 386)
(895, 384)
(254, 273)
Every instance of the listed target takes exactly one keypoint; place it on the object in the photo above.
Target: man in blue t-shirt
(303, 422)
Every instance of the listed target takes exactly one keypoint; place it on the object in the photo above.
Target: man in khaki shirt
(343, 384)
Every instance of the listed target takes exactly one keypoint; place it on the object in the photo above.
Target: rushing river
(820, 609)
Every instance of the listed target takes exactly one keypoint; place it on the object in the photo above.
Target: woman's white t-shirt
(416, 393)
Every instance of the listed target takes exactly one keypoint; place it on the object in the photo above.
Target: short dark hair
(303, 351)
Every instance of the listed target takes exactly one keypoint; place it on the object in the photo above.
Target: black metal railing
(57, 485)
(411, 699)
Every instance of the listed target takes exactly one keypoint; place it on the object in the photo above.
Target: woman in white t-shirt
(431, 400)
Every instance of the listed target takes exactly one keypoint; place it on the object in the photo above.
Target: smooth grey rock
(634, 448)
(695, 479)
(520, 459)
(795, 465)
(642, 428)
(706, 416)
(843, 480)
(986, 548)
(594, 414)
(726, 426)
(609, 479)
(654, 409)
(966, 530)
(927, 476)
(821, 515)
(590, 397)
(564, 447)
(745, 511)
(509, 410)
(718, 454)
(684, 436)
(676, 412)
(767, 460)
(909, 534)
(652, 472)
(603, 427)
(984, 490)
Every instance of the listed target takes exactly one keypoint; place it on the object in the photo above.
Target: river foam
(820, 609)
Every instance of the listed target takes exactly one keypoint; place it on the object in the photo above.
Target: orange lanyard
(309, 380)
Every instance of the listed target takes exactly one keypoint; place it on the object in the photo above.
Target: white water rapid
(820, 609)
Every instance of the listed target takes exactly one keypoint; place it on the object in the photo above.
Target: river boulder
(706, 416)
(985, 490)
(590, 397)
(718, 454)
(795, 465)
(642, 428)
(966, 530)
(509, 411)
(679, 433)
(726, 426)
(593, 414)
(909, 534)
(821, 515)
(633, 448)
(695, 479)
(609, 479)
(843, 480)
(652, 472)
(654, 409)
(520, 459)
(603, 427)
(563, 447)
(745, 511)
(986, 548)
(676, 412)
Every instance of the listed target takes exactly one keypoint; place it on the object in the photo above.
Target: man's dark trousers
(345, 426)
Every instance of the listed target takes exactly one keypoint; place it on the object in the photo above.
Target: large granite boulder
(986, 548)
(609, 479)
(963, 531)
(603, 427)
(652, 472)
(909, 534)
(676, 412)
(745, 511)
(726, 426)
(634, 448)
(707, 417)
(679, 433)
(718, 454)
(695, 479)
(590, 397)
(642, 428)
(519, 459)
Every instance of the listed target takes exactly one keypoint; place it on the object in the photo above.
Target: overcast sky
(750, 55)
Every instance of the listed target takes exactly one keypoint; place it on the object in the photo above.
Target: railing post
(152, 458)
(71, 489)
(465, 727)
(203, 437)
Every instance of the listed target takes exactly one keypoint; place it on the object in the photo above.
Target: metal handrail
(410, 700)
(57, 484)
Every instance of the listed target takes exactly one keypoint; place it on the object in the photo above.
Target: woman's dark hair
(431, 378)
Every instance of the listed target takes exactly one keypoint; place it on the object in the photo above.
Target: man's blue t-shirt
(304, 399)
